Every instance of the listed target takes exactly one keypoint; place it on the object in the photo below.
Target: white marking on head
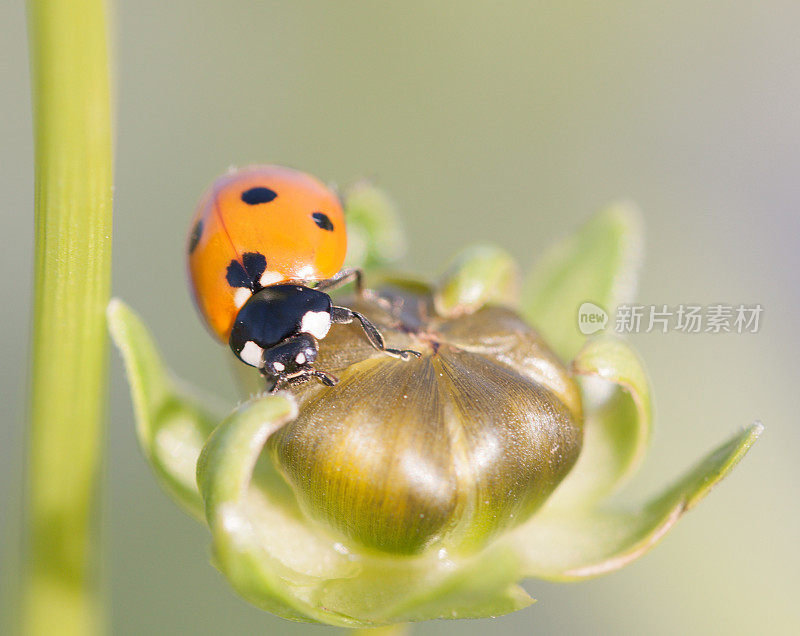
(241, 296)
(251, 354)
(270, 278)
(300, 358)
(279, 366)
(317, 323)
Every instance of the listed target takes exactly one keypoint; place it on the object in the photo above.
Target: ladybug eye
(322, 221)
(257, 195)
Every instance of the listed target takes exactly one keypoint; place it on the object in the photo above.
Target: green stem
(400, 629)
(72, 129)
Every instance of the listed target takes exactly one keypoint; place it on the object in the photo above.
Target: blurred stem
(401, 629)
(72, 130)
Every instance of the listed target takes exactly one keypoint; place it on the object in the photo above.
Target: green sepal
(478, 275)
(172, 421)
(618, 422)
(599, 264)
(243, 553)
(561, 545)
(375, 236)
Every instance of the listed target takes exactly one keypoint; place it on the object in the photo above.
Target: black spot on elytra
(255, 264)
(322, 221)
(194, 238)
(257, 195)
(248, 272)
(237, 276)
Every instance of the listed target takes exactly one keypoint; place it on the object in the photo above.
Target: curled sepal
(281, 562)
(560, 545)
(172, 422)
(618, 422)
(250, 532)
(478, 275)
(598, 264)
(375, 237)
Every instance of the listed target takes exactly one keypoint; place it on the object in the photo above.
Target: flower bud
(440, 451)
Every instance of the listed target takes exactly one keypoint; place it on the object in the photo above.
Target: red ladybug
(265, 244)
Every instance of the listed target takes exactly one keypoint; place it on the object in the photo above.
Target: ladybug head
(290, 357)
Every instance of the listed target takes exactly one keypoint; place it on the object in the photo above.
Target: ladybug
(265, 245)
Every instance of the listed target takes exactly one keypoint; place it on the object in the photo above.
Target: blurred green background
(503, 121)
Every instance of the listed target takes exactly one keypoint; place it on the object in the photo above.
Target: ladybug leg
(347, 275)
(344, 316)
(325, 378)
(282, 381)
(273, 383)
